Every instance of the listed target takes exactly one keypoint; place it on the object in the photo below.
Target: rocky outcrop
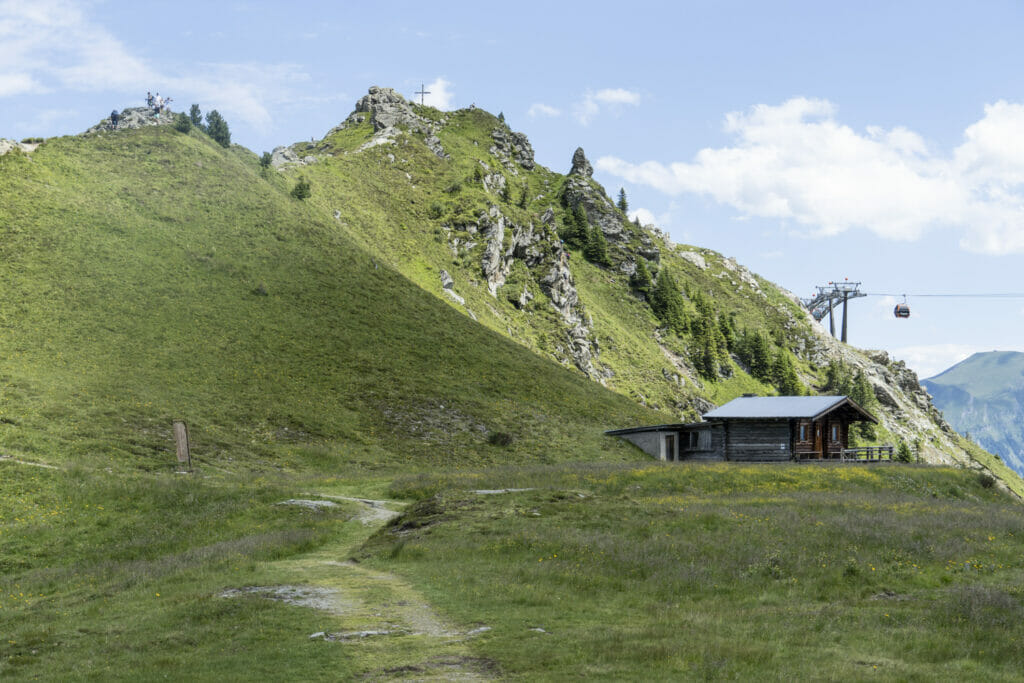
(287, 156)
(390, 113)
(133, 118)
(581, 189)
(388, 109)
(10, 145)
(511, 147)
(580, 166)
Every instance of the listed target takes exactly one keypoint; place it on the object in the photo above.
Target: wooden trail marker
(181, 439)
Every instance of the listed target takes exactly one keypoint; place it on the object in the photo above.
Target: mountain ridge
(983, 397)
(497, 233)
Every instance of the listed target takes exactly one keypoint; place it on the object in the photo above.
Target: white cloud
(617, 96)
(541, 109)
(48, 45)
(439, 94)
(929, 360)
(796, 161)
(591, 104)
(646, 217)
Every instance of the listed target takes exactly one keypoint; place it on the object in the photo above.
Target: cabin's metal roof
(675, 427)
(778, 407)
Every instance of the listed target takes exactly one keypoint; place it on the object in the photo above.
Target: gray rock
(446, 280)
(510, 147)
(580, 165)
(133, 118)
(10, 145)
(309, 504)
(456, 298)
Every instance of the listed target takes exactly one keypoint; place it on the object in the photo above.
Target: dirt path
(352, 606)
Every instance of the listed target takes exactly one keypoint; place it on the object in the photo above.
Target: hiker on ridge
(114, 118)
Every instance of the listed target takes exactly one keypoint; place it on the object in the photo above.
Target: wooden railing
(861, 454)
(868, 453)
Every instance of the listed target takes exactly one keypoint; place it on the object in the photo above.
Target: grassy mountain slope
(150, 275)
(984, 396)
(454, 201)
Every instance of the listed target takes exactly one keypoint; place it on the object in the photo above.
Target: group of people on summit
(156, 103)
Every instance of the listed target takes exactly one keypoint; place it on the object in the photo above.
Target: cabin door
(819, 446)
(670, 447)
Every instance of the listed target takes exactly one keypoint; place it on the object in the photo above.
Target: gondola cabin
(757, 429)
(901, 311)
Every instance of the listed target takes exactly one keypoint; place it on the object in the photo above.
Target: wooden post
(181, 440)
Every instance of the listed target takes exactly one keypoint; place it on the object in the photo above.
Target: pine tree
(217, 128)
(862, 393)
(501, 116)
(622, 203)
(667, 302)
(266, 159)
(196, 117)
(576, 230)
(182, 123)
(728, 330)
(302, 189)
(640, 280)
(636, 221)
(783, 374)
(755, 352)
(596, 248)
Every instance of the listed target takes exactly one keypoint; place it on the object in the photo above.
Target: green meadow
(347, 515)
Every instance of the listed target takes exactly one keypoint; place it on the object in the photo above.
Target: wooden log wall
(758, 441)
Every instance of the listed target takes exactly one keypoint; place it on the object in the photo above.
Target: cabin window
(803, 432)
(694, 440)
(704, 442)
(835, 432)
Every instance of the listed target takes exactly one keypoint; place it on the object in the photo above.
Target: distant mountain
(983, 396)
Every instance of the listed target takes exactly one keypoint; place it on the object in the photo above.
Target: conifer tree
(596, 248)
(196, 117)
(302, 189)
(640, 280)
(217, 128)
(667, 302)
(728, 331)
(622, 203)
(266, 159)
(784, 375)
(182, 123)
(862, 393)
(575, 233)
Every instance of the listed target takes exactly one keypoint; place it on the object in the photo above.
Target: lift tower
(828, 297)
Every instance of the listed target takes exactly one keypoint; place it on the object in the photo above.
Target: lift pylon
(829, 296)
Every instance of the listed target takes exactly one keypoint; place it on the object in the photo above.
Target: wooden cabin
(760, 429)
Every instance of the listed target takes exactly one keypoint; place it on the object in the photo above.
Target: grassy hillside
(446, 200)
(151, 275)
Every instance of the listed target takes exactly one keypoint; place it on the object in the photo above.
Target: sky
(881, 142)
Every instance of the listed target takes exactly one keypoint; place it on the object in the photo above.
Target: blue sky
(812, 141)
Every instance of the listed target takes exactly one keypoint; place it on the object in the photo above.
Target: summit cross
(421, 92)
